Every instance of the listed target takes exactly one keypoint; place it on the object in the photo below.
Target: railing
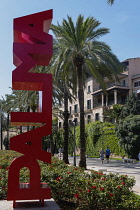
(110, 85)
(95, 105)
(74, 111)
(87, 107)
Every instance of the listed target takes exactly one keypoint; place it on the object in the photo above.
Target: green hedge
(100, 135)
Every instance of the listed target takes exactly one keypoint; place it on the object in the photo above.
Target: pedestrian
(102, 155)
(107, 154)
(139, 157)
(60, 152)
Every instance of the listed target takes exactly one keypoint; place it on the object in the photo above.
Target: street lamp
(74, 153)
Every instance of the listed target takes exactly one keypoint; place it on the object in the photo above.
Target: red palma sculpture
(32, 47)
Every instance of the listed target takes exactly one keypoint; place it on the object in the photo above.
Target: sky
(123, 20)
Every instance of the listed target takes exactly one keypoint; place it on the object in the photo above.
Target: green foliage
(72, 187)
(113, 113)
(132, 106)
(100, 135)
(128, 130)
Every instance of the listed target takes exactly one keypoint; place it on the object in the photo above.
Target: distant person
(102, 155)
(107, 154)
(60, 152)
(139, 157)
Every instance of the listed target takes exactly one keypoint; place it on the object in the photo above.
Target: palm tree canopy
(79, 45)
(80, 52)
(110, 2)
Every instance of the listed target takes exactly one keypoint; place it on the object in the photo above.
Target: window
(88, 89)
(123, 99)
(88, 118)
(70, 110)
(75, 108)
(123, 83)
(60, 124)
(97, 117)
(89, 104)
(75, 121)
(137, 84)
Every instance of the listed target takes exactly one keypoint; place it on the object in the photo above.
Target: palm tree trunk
(51, 144)
(1, 131)
(8, 140)
(66, 131)
(82, 162)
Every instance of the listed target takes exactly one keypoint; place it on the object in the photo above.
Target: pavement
(114, 166)
(49, 204)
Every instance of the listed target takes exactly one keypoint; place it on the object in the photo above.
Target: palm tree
(81, 51)
(7, 105)
(110, 2)
(61, 92)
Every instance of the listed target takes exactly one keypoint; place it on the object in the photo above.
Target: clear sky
(123, 20)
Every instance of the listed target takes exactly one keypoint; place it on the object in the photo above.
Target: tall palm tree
(61, 92)
(80, 50)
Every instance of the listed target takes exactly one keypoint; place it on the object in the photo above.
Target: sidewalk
(114, 166)
(49, 204)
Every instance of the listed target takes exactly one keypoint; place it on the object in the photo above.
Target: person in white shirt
(102, 155)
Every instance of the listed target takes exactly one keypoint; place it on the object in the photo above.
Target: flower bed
(76, 189)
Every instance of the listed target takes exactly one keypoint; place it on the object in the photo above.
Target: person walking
(102, 155)
(107, 154)
(139, 157)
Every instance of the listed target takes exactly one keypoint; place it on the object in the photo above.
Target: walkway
(115, 166)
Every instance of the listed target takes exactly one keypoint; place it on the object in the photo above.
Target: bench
(129, 160)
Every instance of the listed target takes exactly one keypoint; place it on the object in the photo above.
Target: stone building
(96, 102)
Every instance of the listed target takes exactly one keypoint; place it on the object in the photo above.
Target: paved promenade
(114, 166)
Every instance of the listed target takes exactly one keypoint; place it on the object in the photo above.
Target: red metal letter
(32, 46)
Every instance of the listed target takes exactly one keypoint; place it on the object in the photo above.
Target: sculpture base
(24, 192)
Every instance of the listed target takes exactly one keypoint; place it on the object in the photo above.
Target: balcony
(110, 86)
(74, 112)
(88, 109)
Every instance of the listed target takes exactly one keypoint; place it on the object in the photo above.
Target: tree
(62, 83)
(128, 131)
(132, 106)
(113, 113)
(81, 51)
(110, 2)
(7, 105)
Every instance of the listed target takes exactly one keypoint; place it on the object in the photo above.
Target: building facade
(96, 102)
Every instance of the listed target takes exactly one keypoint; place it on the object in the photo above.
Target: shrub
(75, 187)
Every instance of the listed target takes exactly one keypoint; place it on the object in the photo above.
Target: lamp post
(74, 153)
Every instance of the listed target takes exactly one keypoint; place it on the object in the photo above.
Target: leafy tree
(81, 51)
(128, 131)
(113, 113)
(132, 106)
